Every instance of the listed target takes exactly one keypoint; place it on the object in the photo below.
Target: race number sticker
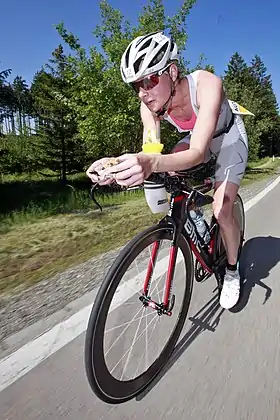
(238, 109)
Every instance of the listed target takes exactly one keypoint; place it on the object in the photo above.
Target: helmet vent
(145, 45)
(127, 56)
(137, 64)
(159, 55)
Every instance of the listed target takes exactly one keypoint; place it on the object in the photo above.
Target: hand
(133, 169)
(97, 173)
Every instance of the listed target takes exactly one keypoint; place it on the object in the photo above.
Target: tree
(21, 105)
(15, 105)
(107, 110)
(3, 76)
(60, 147)
(3, 96)
(269, 106)
(251, 87)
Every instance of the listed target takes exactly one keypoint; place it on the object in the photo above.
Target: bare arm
(150, 122)
(134, 169)
(209, 96)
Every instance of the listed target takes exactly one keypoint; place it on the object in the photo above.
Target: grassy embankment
(46, 228)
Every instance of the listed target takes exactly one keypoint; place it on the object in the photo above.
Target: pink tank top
(185, 125)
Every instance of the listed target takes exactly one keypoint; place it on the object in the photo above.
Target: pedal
(199, 272)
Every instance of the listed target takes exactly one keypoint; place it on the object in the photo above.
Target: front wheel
(128, 341)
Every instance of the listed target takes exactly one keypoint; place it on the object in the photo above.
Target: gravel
(20, 310)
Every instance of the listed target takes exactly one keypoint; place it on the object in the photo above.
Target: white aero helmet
(146, 55)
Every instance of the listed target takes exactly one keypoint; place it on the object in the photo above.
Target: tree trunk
(6, 125)
(13, 122)
(63, 156)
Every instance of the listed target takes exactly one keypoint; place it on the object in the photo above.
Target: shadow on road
(259, 256)
(206, 319)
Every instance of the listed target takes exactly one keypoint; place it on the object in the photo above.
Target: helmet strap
(165, 107)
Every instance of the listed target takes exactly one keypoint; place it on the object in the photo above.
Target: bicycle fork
(165, 307)
(177, 207)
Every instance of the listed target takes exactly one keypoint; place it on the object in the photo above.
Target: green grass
(46, 227)
(259, 163)
(36, 249)
(260, 170)
(70, 201)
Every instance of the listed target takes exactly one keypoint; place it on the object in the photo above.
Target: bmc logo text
(191, 232)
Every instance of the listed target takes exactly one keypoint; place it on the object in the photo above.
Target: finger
(126, 156)
(132, 181)
(92, 171)
(122, 166)
(96, 178)
(98, 165)
(134, 171)
(107, 182)
(93, 176)
(136, 184)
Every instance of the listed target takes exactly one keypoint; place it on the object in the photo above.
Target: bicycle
(178, 229)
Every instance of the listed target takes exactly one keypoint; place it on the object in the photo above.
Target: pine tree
(251, 87)
(61, 149)
(269, 107)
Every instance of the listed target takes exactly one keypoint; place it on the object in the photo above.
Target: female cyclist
(195, 104)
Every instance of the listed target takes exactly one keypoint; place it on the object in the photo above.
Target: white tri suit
(230, 142)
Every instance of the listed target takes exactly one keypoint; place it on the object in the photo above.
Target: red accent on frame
(212, 244)
(199, 258)
(151, 267)
(170, 273)
(178, 198)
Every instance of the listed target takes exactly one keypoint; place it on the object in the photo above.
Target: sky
(217, 28)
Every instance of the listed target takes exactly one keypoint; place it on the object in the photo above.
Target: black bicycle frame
(182, 195)
(182, 222)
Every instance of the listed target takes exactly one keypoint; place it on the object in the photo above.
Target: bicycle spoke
(153, 272)
(131, 347)
(156, 287)
(128, 322)
(134, 343)
(117, 339)
(147, 342)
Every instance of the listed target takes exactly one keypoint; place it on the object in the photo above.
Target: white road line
(34, 352)
(250, 203)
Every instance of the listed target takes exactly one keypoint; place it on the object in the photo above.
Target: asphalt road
(225, 367)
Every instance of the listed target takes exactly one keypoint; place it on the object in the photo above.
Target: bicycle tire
(103, 384)
(220, 251)
(241, 214)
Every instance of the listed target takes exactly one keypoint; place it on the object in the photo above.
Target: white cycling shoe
(231, 289)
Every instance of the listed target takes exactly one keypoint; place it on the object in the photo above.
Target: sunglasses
(147, 83)
(150, 81)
